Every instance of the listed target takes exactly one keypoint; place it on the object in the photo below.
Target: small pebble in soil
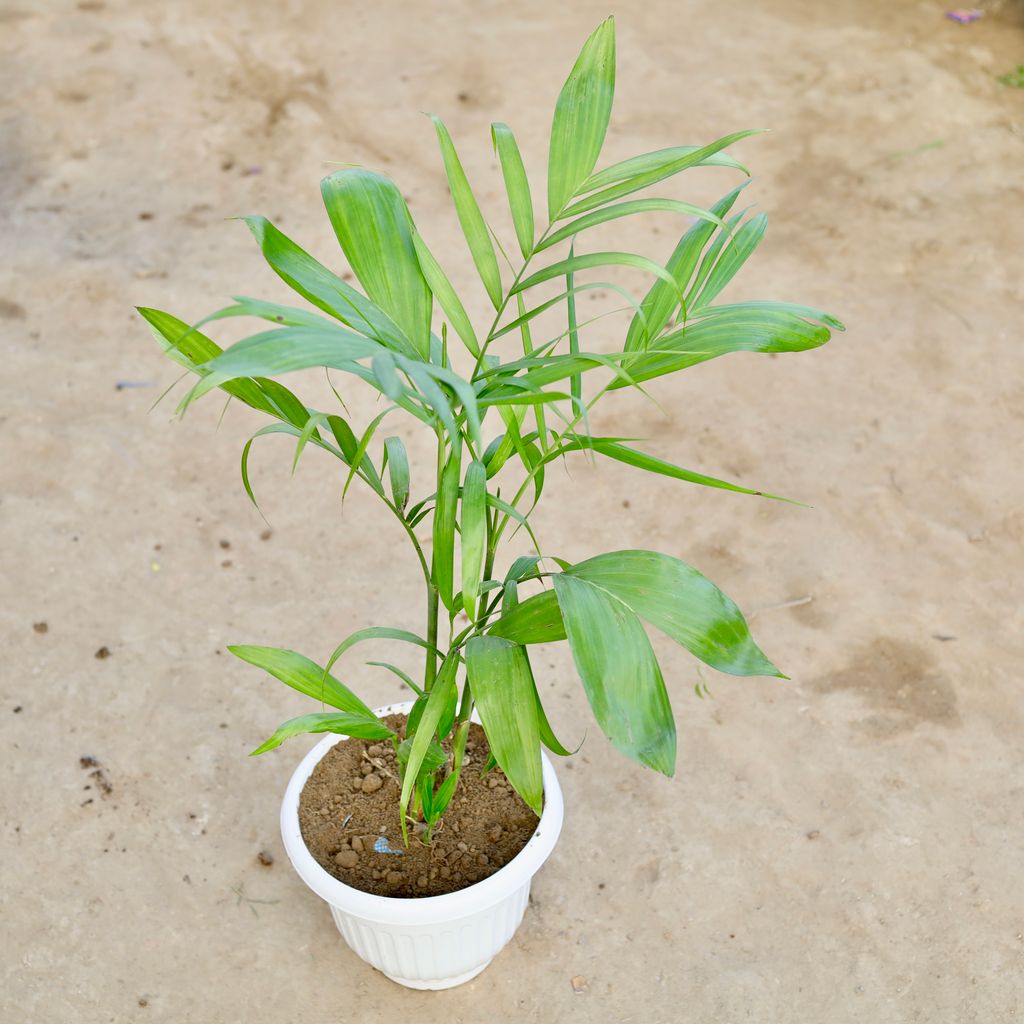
(394, 878)
(372, 783)
(375, 751)
(495, 834)
(462, 846)
(40, 627)
(265, 857)
(103, 652)
(579, 983)
(421, 882)
(366, 768)
(347, 859)
(483, 860)
(493, 782)
(357, 844)
(356, 784)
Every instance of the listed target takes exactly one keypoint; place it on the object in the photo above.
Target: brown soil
(350, 803)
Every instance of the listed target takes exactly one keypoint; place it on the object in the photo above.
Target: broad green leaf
(398, 470)
(595, 259)
(446, 295)
(655, 161)
(582, 112)
(474, 534)
(652, 464)
(324, 289)
(651, 176)
(344, 725)
(470, 217)
(375, 231)
(663, 299)
(505, 695)
(620, 673)
(627, 209)
(734, 254)
(301, 674)
(675, 598)
(523, 568)
(516, 185)
(283, 350)
(444, 528)
(433, 710)
(721, 333)
(537, 620)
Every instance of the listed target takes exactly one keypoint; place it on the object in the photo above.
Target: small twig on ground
(796, 603)
(239, 891)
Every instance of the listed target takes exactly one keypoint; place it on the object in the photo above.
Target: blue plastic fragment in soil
(382, 846)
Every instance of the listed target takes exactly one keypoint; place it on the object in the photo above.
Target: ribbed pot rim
(422, 910)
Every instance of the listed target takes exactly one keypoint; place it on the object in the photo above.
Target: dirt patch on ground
(349, 817)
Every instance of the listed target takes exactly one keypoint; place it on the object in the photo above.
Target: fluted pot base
(433, 942)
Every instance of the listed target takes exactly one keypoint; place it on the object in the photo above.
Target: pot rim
(421, 909)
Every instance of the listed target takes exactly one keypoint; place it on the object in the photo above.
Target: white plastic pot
(436, 941)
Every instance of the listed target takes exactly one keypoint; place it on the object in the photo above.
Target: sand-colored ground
(842, 847)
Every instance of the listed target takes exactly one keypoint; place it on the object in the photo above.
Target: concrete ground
(842, 847)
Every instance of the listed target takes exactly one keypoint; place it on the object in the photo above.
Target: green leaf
(516, 185)
(325, 290)
(192, 349)
(719, 333)
(505, 695)
(283, 350)
(474, 534)
(364, 444)
(375, 231)
(348, 446)
(396, 671)
(675, 598)
(576, 380)
(663, 299)
(734, 254)
(345, 725)
(652, 464)
(620, 673)
(433, 710)
(446, 295)
(377, 633)
(312, 426)
(659, 172)
(301, 674)
(398, 470)
(537, 620)
(433, 757)
(595, 259)
(470, 217)
(627, 209)
(655, 161)
(444, 528)
(582, 113)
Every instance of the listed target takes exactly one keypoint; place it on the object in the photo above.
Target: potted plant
(401, 793)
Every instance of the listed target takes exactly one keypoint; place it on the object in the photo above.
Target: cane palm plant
(482, 616)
